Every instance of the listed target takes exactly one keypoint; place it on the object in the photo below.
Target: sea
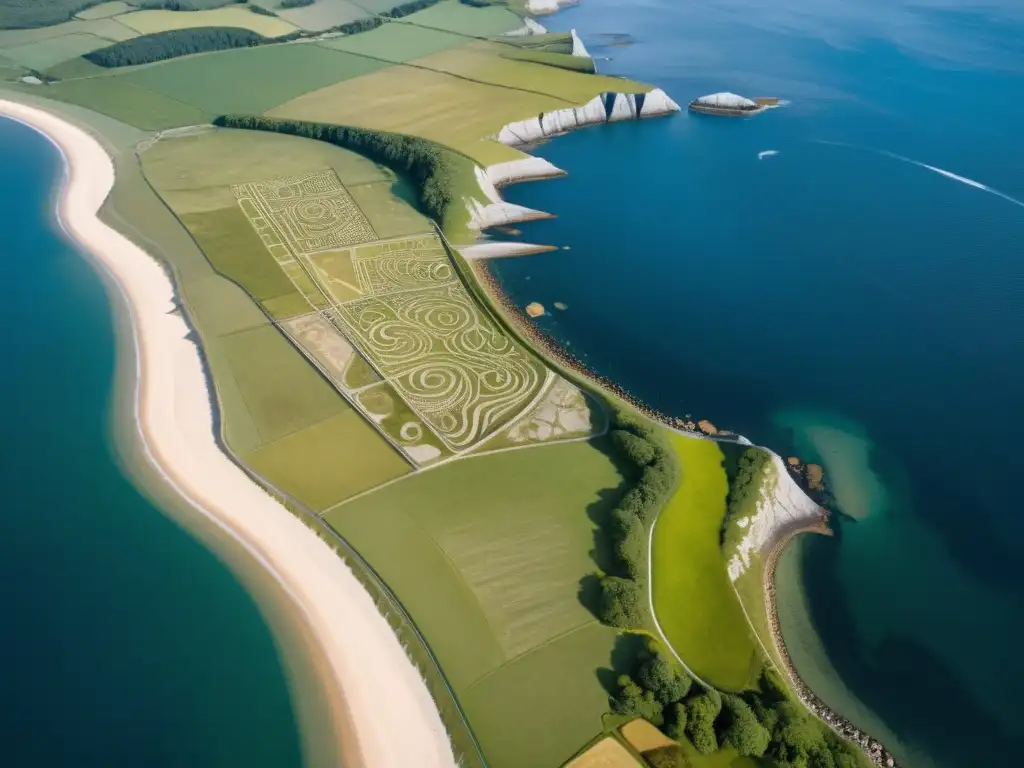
(841, 279)
(123, 640)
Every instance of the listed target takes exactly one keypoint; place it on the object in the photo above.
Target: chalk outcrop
(494, 211)
(539, 7)
(606, 108)
(782, 506)
(578, 48)
(530, 27)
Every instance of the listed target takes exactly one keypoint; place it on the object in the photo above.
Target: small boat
(726, 105)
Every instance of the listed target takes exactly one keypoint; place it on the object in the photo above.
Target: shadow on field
(623, 660)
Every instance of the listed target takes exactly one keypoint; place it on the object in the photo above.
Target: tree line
(173, 43)
(429, 166)
(623, 591)
(763, 722)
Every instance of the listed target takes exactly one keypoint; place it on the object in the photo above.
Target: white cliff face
(623, 107)
(492, 211)
(578, 48)
(530, 27)
(782, 504)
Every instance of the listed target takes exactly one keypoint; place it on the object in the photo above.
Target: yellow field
(148, 22)
(607, 753)
(434, 105)
(643, 736)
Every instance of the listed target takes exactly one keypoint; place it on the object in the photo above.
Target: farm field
(420, 102)
(397, 42)
(146, 22)
(120, 99)
(606, 753)
(250, 80)
(323, 14)
(693, 598)
(105, 10)
(454, 16)
(490, 568)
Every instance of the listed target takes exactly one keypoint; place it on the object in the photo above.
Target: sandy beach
(384, 715)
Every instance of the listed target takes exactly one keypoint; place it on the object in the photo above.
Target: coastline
(382, 713)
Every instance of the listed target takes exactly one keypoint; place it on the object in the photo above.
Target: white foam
(767, 153)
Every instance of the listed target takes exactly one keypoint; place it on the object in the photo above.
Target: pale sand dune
(384, 715)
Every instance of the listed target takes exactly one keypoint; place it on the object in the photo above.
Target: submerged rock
(534, 309)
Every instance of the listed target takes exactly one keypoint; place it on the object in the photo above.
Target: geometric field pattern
(448, 360)
(308, 213)
(401, 304)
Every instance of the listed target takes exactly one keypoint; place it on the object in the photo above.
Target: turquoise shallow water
(839, 299)
(125, 642)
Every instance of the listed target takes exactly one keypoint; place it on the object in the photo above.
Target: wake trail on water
(767, 153)
(933, 169)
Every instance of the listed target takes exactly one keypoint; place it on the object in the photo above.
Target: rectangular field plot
(308, 213)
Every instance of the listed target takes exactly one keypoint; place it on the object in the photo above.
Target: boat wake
(767, 153)
(941, 171)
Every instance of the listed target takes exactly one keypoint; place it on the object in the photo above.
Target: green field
(490, 568)
(250, 80)
(453, 16)
(693, 597)
(122, 100)
(148, 22)
(397, 42)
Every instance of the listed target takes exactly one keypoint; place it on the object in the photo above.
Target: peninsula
(291, 200)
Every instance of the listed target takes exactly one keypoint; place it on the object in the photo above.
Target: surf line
(932, 168)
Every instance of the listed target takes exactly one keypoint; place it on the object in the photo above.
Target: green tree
(637, 450)
(633, 700)
(664, 679)
(676, 720)
(630, 542)
(701, 712)
(741, 729)
(621, 601)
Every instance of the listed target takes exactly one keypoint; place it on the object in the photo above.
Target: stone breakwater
(787, 528)
(871, 746)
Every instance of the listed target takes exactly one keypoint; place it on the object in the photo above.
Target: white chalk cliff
(530, 27)
(606, 108)
(495, 211)
(578, 48)
(783, 503)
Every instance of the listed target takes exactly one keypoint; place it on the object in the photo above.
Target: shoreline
(553, 353)
(382, 712)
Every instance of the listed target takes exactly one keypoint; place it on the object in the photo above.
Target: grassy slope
(397, 42)
(453, 16)
(490, 568)
(693, 598)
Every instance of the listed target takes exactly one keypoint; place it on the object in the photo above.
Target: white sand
(385, 716)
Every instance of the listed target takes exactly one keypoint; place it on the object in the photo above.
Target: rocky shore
(873, 748)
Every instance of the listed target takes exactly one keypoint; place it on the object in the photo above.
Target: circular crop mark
(411, 432)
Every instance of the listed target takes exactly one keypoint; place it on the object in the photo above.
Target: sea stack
(726, 105)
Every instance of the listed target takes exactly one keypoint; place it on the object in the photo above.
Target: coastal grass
(250, 80)
(582, 64)
(329, 461)
(490, 568)
(693, 597)
(452, 111)
(322, 14)
(147, 22)
(487, 62)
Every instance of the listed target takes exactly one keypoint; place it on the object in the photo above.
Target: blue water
(835, 299)
(124, 642)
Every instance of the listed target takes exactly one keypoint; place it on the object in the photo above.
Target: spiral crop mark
(309, 213)
(463, 375)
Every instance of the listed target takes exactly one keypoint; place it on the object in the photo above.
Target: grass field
(397, 42)
(453, 16)
(434, 105)
(122, 100)
(693, 597)
(148, 22)
(483, 62)
(490, 568)
(250, 80)
(549, 58)
(321, 15)
(105, 10)
(329, 461)
(44, 54)
(108, 29)
(606, 753)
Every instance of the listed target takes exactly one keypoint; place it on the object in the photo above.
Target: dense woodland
(25, 14)
(429, 166)
(173, 43)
